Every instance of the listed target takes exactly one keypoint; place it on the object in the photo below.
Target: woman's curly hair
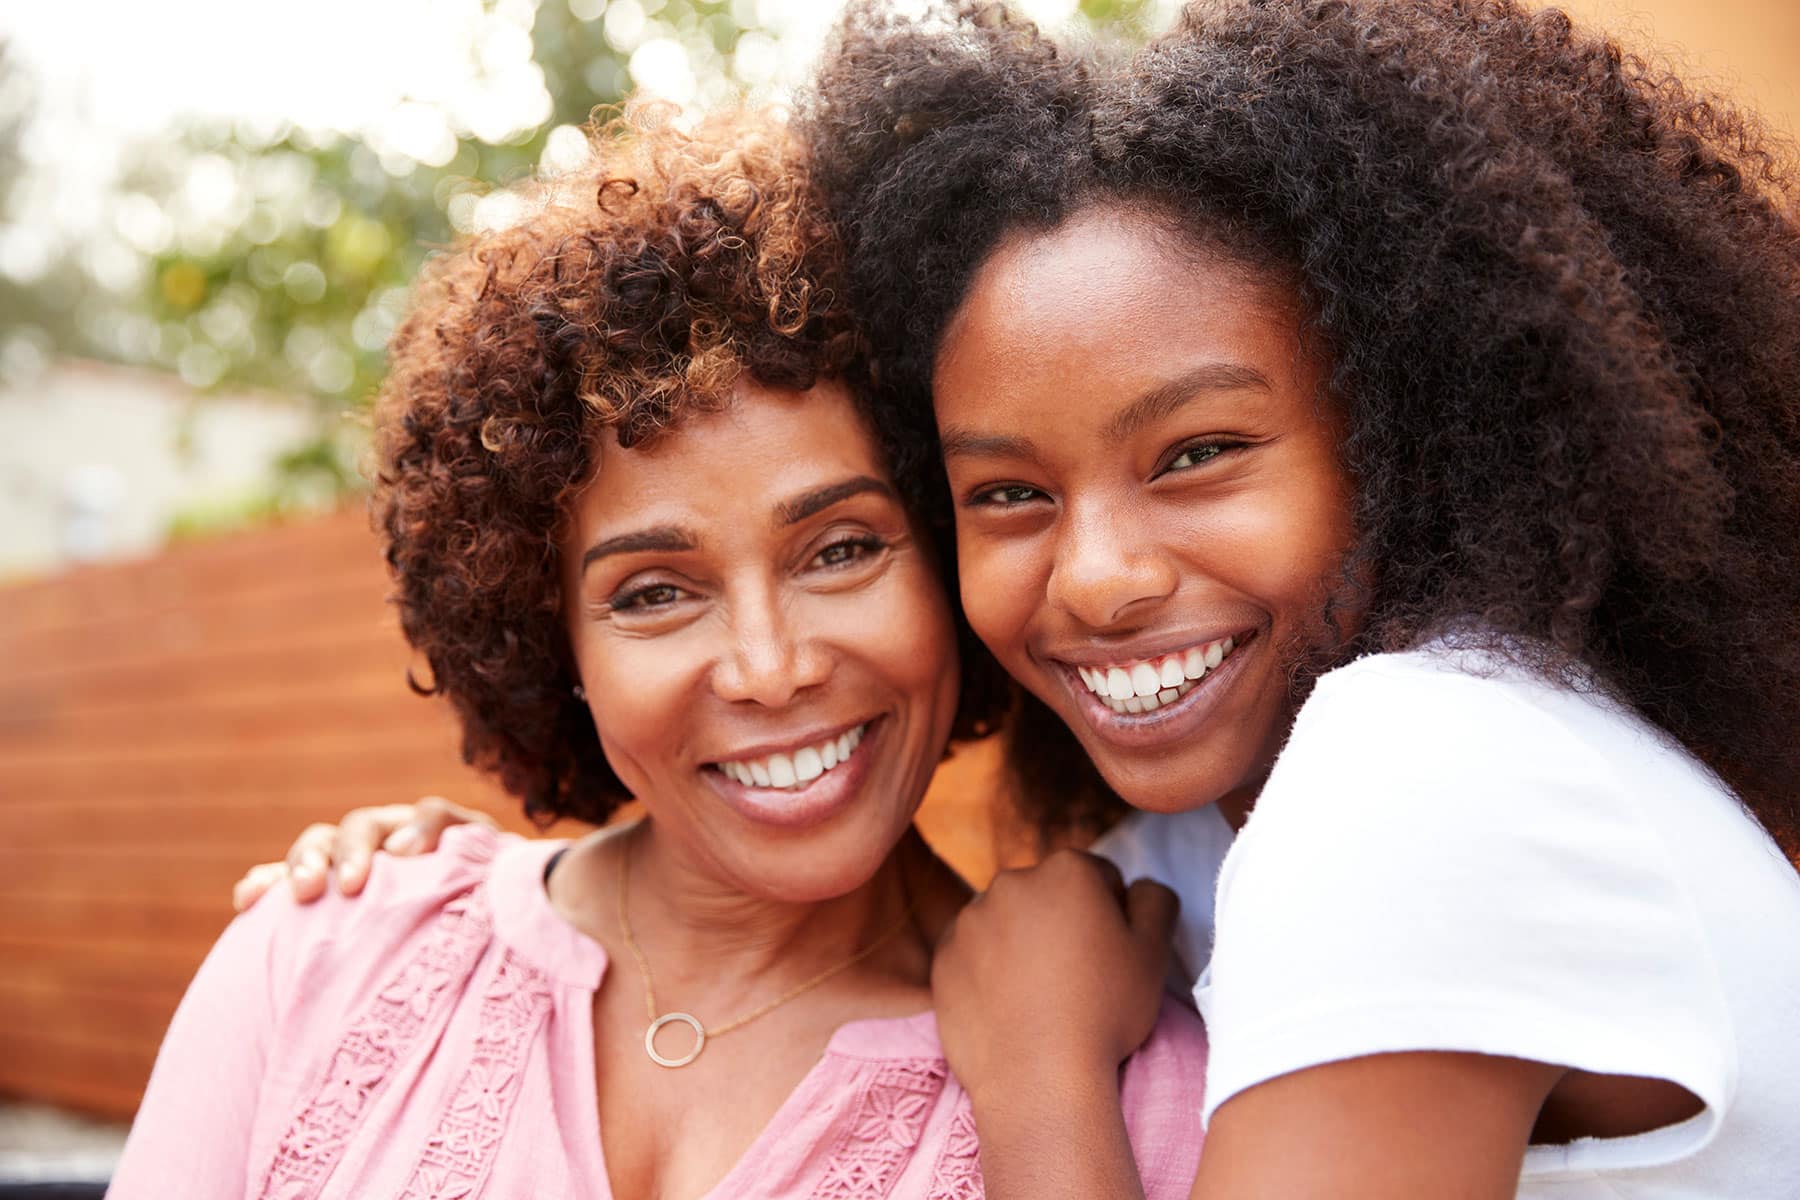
(636, 293)
(1559, 290)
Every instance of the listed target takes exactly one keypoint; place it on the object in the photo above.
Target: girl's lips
(810, 804)
(1173, 721)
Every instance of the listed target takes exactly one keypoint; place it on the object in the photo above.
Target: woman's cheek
(639, 696)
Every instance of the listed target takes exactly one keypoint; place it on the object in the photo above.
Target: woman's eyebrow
(806, 504)
(658, 537)
(1166, 398)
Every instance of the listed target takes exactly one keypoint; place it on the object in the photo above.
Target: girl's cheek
(996, 591)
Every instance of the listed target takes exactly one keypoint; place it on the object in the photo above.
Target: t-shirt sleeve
(1439, 863)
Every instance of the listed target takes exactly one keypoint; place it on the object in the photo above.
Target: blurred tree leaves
(279, 258)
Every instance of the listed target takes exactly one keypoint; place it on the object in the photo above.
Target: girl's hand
(1054, 974)
(349, 846)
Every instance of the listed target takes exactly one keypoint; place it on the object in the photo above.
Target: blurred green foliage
(279, 258)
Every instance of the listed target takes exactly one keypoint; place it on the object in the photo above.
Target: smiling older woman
(651, 546)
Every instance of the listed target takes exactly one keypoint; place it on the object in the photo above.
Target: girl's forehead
(1107, 314)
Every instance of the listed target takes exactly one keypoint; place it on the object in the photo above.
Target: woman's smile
(805, 784)
(768, 653)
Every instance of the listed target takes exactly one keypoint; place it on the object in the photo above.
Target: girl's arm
(1383, 1127)
(1044, 985)
(1048, 981)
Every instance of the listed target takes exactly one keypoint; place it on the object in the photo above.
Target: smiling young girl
(1371, 425)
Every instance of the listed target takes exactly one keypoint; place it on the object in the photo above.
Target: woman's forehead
(755, 452)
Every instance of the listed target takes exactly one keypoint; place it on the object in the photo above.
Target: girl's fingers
(307, 861)
(256, 881)
(430, 817)
(1151, 910)
(359, 835)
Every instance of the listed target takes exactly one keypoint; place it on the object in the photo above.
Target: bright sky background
(134, 65)
(401, 72)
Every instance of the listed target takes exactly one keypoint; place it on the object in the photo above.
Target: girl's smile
(1150, 507)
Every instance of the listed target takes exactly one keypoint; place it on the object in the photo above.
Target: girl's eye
(849, 551)
(1006, 495)
(646, 599)
(1193, 456)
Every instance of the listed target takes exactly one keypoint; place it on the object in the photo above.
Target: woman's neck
(708, 942)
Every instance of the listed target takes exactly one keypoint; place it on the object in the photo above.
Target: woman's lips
(797, 804)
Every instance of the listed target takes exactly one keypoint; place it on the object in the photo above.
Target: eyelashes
(1186, 457)
(840, 554)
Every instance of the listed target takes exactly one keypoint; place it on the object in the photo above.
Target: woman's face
(765, 646)
(1149, 501)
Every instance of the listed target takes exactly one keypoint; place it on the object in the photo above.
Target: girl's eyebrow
(1166, 398)
(1147, 409)
(959, 440)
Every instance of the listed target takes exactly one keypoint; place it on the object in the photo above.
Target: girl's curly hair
(1560, 290)
(635, 293)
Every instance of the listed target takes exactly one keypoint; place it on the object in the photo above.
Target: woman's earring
(580, 692)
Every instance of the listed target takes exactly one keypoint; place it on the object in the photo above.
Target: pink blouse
(434, 1039)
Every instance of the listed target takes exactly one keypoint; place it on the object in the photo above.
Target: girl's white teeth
(1147, 686)
(1118, 685)
(795, 770)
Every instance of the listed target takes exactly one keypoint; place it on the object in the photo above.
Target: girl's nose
(1105, 568)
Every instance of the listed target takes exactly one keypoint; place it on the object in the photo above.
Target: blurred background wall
(209, 212)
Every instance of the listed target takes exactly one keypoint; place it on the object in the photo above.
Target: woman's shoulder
(1161, 1092)
(342, 942)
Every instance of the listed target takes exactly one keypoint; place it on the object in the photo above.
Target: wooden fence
(166, 723)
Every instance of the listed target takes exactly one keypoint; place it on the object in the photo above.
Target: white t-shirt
(1453, 855)
(1182, 851)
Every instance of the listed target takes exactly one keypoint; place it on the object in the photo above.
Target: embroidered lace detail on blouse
(880, 1140)
(412, 1002)
(957, 1175)
(458, 1154)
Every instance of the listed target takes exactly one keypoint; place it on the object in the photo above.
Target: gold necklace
(701, 1033)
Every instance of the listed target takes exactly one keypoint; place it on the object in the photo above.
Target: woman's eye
(657, 595)
(848, 551)
(1006, 494)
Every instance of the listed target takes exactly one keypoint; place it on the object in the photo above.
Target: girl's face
(1150, 507)
(765, 646)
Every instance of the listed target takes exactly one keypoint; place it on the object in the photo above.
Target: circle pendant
(670, 1019)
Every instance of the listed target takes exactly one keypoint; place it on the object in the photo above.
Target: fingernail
(310, 867)
(401, 840)
(344, 874)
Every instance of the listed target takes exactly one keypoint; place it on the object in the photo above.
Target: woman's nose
(772, 657)
(1106, 567)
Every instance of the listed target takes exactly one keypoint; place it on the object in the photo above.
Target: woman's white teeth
(1146, 686)
(797, 769)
